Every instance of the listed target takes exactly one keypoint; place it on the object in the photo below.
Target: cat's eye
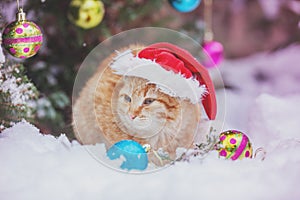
(127, 98)
(148, 101)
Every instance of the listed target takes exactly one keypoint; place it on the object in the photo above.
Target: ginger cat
(114, 108)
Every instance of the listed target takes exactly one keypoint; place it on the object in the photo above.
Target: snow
(19, 93)
(36, 166)
(264, 103)
(2, 57)
(274, 117)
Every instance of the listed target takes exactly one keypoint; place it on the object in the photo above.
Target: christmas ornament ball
(134, 154)
(234, 145)
(214, 51)
(86, 13)
(22, 38)
(184, 5)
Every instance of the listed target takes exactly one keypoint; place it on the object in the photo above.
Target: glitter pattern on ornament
(234, 145)
(22, 38)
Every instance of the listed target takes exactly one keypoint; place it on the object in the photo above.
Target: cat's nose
(132, 117)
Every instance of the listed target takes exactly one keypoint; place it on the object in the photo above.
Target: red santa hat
(174, 71)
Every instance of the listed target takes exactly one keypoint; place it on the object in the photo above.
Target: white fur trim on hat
(168, 82)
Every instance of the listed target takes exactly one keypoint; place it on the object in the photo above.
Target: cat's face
(141, 110)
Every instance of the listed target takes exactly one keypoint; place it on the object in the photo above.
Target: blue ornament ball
(135, 155)
(185, 5)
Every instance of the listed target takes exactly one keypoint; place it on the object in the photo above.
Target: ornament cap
(21, 15)
(208, 36)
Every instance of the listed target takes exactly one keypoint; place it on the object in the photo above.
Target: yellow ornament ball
(234, 145)
(86, 13)
(22, 38)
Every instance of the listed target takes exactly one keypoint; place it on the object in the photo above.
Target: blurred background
(244, 27)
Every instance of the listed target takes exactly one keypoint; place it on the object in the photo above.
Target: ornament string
(18, 4)
(208, 32)
(21, 16)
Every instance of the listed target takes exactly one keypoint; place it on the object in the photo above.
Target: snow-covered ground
(264, 103)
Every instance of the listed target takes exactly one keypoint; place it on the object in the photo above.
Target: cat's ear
(201, 73)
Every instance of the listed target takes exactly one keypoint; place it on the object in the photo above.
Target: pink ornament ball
(214, 53)
(22, 39)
